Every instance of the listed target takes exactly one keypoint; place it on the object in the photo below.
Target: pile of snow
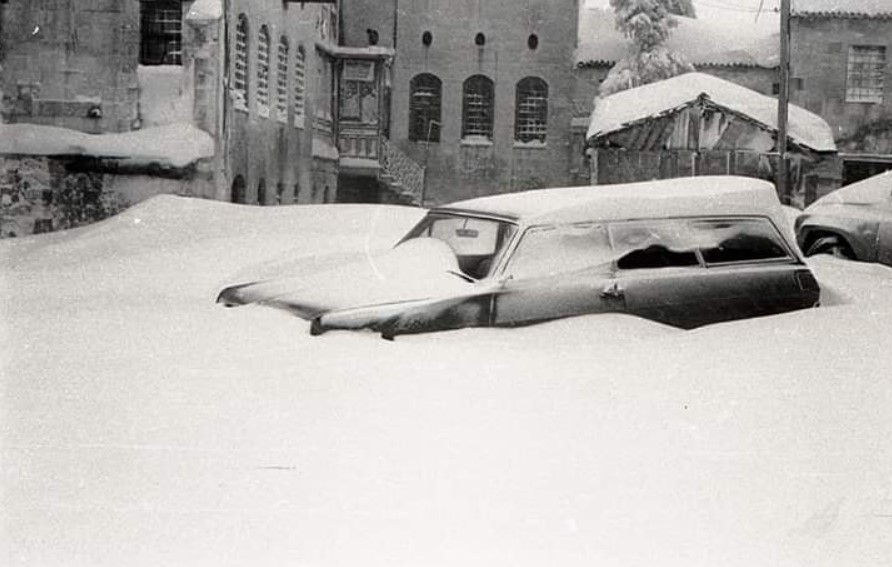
(173, 145)
(619, 111)
(205, 10)
(700, 42)
(142, 424)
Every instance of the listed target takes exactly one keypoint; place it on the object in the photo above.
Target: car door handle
(613, 291)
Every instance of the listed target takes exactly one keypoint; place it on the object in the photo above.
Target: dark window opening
(280, 193)
(424, 108)
(427, 38)
(477, 107)
(237, 192)
(533, 41)
(261, 192)
(372, 36)
(531, 110)
(480, 40)
(161, 33)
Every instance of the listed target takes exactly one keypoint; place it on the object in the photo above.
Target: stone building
(840, 70)
(480, 92)
(255, 77)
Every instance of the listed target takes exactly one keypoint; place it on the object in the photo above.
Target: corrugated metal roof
(843, 8)
(698, 41)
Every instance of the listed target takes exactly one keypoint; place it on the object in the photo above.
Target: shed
(697, 124)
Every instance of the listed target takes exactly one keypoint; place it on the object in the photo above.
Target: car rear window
(738, 240)
(653, 244)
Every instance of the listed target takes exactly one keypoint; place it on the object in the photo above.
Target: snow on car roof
(618, 111)
(688, 196)
(870, 191)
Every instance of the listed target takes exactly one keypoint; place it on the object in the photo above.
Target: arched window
(263, 72)
(297, 192)
(531, 110)
(261, 192)
(300, 66)
(282, 81)
(477, 107)
(237, 193)
(240, 64)
(326, 195)
(424, 108)
(280, 193)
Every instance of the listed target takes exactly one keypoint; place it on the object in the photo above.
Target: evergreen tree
(648, 24)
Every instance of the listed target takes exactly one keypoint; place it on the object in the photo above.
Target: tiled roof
(843, 8)
(698, 41)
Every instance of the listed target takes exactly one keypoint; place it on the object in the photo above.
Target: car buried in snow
(684, 252)
(854, 222)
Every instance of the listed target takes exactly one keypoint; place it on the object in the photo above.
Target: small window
(427, 38)
(533, 41)
(738, 240)
(297, 192)
(658, 244)
(424, 108)
(161, 32)
(240, 64)
(326, 195)
(865, 75)
(480, 40)
(280, 193)
(531, 110)
(300, 62)
(372, 36)
(477, 107)
(263, 72)
(282, 81)
(551, 250)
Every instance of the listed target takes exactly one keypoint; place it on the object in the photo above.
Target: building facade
(479, 90)
(841, 69)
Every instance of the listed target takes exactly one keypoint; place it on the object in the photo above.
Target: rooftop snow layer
(618, 111)
(864, 8)
(700, 42)
(173, 145)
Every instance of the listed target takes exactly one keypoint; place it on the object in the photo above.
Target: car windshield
(477, 242)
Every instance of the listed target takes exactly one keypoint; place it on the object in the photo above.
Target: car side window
(654, 244)
(560, 249)
(730, 241)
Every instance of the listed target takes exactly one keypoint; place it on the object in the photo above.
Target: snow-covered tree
(682, 8)
(648, 24)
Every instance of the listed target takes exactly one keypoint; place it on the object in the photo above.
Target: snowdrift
(144, 425)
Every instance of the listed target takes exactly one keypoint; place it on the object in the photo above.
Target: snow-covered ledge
(205, 11)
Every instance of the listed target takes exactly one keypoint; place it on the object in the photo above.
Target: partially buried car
(685, 252)
(854, 222)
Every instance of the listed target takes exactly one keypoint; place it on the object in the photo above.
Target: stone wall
(71, 63)
(820, 48)
(460, 169)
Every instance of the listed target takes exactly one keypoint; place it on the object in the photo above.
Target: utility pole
(783, 182)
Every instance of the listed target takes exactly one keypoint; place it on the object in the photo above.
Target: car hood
(418, 269)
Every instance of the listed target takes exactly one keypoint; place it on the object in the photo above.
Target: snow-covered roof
(843, 8)
(173, 145)
(623, 109)
(688, 196)
(205, 11)
(699, 41)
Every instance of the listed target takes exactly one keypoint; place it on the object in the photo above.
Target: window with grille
(424, 108)
(282, 81)
(531, 110)
(477, 107)
(300, 66)
(865, 73)
(263, 72)
(240, 64)
(161, 32)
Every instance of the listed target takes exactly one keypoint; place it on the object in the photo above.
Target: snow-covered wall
(164, 96)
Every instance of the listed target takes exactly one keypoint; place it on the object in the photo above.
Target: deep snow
(144, 425)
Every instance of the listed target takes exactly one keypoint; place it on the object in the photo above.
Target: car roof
(689, 196)
(870, 191)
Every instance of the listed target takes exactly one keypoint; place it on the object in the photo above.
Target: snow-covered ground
(142, 424)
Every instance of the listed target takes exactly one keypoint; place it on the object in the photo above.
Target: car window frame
(789, 258)
(501, 271)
